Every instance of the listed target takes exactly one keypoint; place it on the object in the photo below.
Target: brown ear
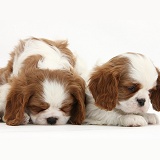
(104, 87)
(16, 104)
(78, 110)
(155, 95)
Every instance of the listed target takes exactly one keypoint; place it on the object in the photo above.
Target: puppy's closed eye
(36, 108)
(67, 108)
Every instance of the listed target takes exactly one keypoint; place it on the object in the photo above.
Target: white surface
(95, 29)
(79, 142)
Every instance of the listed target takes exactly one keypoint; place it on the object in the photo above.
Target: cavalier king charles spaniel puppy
(42, 82)
(120, 91)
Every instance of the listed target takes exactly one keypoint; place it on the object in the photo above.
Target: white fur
(128, 112)
(97, 116)
(52, 57)
(142, 70)
(54, 94)
(81, 68)
(131, 105)
(4, 90)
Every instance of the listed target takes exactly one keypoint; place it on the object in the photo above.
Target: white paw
(132, 121)
(3, 119)
(26, 119)
(151, 118)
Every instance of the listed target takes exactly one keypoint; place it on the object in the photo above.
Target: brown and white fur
(120, 91)
(44, 83)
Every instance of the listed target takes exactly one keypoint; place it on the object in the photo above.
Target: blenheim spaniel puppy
(42, 82)
(120, 91)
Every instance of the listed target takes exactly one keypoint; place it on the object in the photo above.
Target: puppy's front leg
(26, 119)
(131, 120)
(151, 118)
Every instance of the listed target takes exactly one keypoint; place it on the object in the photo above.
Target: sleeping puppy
(120, 91)
(45, 84)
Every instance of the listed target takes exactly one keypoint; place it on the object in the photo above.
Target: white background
(95, 29)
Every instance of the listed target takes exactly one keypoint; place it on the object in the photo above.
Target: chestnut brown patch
(105, 81)
(155, 94)
(35, 106)
(127, 88)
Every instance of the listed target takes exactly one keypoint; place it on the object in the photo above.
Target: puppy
(119, 92)
(45, 84)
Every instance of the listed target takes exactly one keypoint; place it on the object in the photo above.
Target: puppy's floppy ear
(78, 92)
(155, 94)
(104, 87)
(16, 103)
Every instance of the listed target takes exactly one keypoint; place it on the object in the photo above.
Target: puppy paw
(151, 118)
(26, 119)
(3, 119)
(132, 121)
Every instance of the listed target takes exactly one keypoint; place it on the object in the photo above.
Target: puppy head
(49, 97)
(124, 83)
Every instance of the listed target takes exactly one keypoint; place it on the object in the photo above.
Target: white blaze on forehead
(52, 57)
(142, 70)
(54, 93)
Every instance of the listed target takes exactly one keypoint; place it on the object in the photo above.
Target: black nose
(51, 120)
(141, 101)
